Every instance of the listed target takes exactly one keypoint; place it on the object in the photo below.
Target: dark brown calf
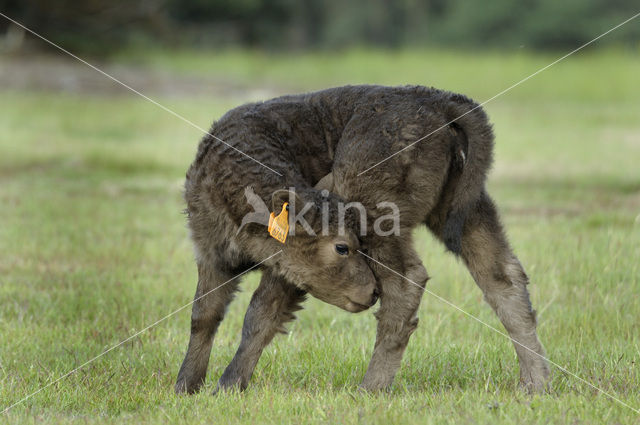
(338, 133)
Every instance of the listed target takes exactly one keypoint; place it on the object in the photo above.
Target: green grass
(93, 248)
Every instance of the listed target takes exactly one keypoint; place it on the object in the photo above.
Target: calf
(292, 142)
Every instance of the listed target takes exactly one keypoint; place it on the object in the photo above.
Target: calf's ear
(325, 183)
(305, 212)
(279, 197)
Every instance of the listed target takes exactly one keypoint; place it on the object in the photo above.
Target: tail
(471, 157)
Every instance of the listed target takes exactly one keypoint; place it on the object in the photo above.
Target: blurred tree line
(99, 25)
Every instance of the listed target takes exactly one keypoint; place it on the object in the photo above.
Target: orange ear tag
(279, 226)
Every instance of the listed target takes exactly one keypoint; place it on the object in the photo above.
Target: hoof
(181, 387)
(536, 382)
(230, 386)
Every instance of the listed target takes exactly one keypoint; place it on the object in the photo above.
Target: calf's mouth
(355, 307)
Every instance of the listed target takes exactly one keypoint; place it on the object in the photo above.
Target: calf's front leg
(271, 306)
(397, 316)
(216, 287)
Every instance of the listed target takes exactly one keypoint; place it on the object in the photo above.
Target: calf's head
(321, 252)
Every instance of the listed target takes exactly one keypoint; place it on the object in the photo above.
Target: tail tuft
(452, 232)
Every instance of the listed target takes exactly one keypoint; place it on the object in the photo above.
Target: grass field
(93, 248)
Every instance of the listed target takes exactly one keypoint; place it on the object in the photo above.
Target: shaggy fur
(326, 139)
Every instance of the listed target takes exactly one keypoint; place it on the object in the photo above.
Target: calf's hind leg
(272, 305)
(207, 313)
(499, 274)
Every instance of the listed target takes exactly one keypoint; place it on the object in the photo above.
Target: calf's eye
(342, 249)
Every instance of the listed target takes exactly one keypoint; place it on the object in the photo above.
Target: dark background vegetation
(99, 26)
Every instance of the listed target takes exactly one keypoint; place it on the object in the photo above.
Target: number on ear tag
(279, 226)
